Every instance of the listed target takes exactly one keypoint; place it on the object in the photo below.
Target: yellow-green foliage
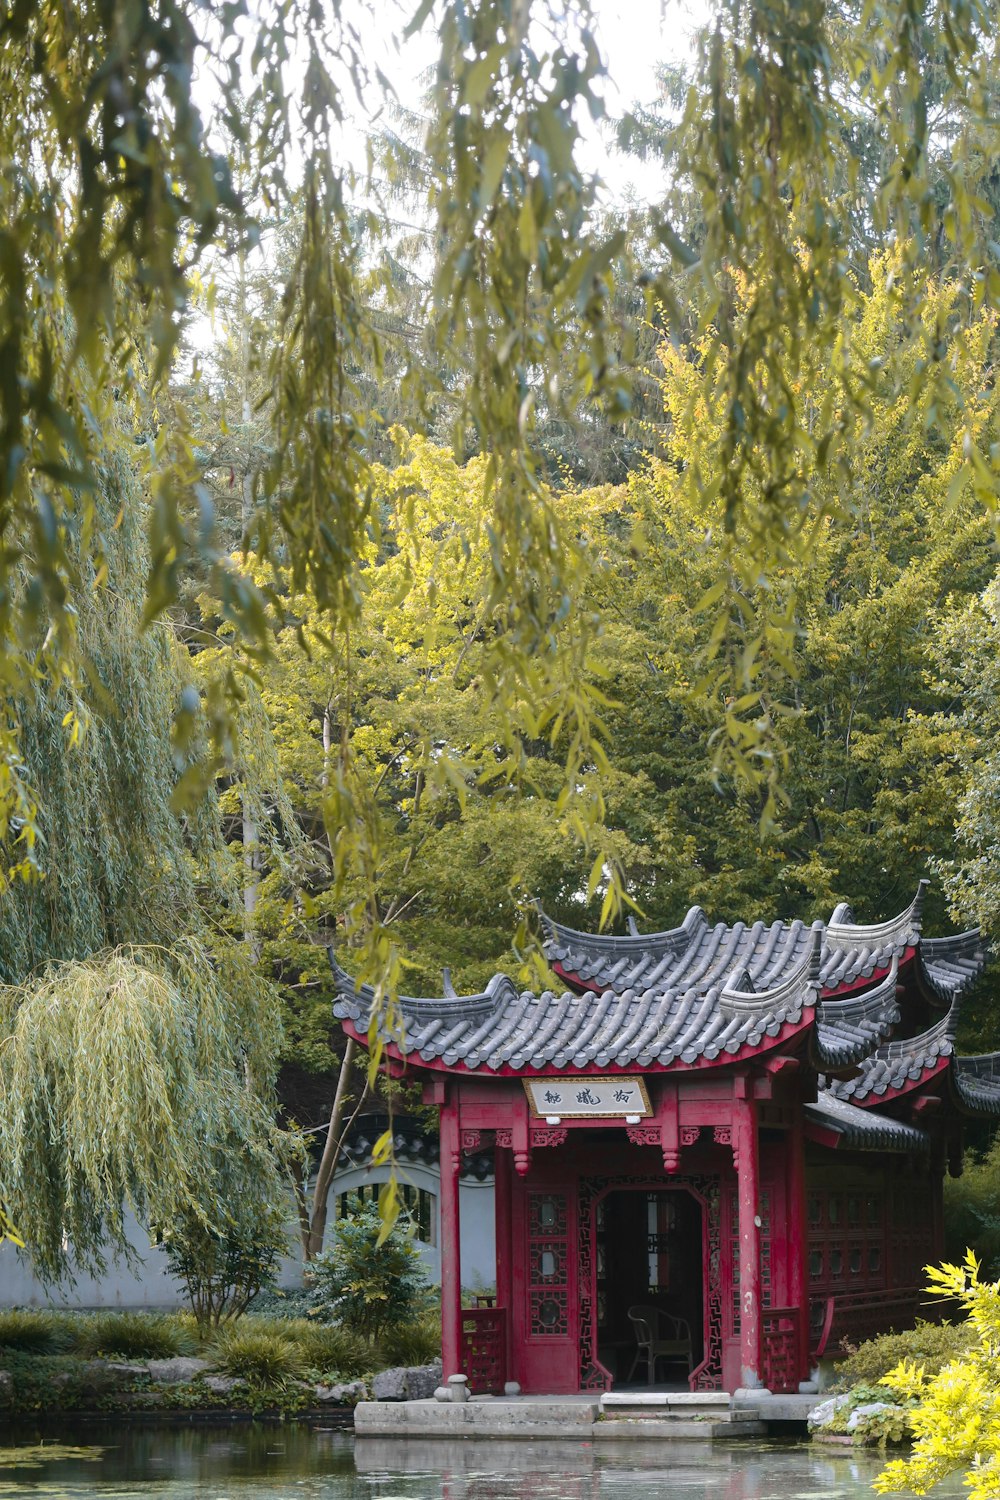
(956, 1418)
(930, 1345)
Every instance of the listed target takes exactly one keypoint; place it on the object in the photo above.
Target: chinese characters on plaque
(599, 1098)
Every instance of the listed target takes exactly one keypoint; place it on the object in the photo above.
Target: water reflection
(298, 1462)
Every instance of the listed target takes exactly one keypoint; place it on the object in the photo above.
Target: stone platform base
(596, 1419)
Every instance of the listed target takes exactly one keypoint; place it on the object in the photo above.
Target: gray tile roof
(848, 1029)
(699, 994)
(410, 1144)
(697, 953)
(864, 1129)
(897, 1065)
(976, 1081)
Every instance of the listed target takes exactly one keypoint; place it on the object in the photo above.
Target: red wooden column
(798, 1237)
(747, 1154)
(451, 1244)
(503, 1210)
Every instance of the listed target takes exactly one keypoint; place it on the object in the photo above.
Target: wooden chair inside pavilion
(659, 1335)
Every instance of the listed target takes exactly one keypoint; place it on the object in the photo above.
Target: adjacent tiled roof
(976, 1081)
(899, 1065)
(847, 1030)
(864, 1129)
(697, 995)
(696, 953)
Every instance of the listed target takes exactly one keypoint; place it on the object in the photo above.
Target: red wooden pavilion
(746, 1127)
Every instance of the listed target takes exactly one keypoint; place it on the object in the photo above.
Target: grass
(417, 1343)
(258, 1354)
(132, 1335)
(267, 1352)
(31, 1330)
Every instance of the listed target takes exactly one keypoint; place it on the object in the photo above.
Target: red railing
(862, 1315)
(484, 1349)
(781, 1350)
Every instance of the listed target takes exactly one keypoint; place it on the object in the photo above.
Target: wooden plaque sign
(588, 1098)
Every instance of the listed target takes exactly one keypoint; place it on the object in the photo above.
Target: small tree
(956, 1416)
(224, 1269)
(365, 1281)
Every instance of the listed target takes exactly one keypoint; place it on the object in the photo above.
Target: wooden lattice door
(546, 1337)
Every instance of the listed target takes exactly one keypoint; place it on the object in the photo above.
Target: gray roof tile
(977, 1083)
(864, 1129)
(697, 992)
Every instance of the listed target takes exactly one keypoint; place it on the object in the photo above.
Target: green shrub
(929, 1344)
(280, 1302)
(972, 1209)
(330, 1349)
(367, 1286)
(258, 1355)
(415, 1343)
(225, 1268)
(32, 1330)
(133, 1335)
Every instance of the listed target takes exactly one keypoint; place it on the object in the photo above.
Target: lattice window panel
(548, 1265)
(846, 1240)
(549, 1312)
(547, 1214)
(547, 1259)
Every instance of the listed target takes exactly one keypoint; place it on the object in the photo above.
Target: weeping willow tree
(137, 1041)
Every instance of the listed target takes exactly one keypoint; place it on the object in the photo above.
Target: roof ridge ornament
(843, 931)
(355, 999)
(799, 988)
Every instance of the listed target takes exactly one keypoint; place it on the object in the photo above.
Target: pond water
(299, 1462)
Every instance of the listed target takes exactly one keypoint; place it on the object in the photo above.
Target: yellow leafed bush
(956, 1418)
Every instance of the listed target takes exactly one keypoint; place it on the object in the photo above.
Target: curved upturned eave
(928, 1055)
(975, 1083)
(849, 1029)
(904, 929)
(484, 1003)
(790, 1032)
(604, 944)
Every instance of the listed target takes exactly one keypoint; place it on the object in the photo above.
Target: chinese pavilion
(743, 1126)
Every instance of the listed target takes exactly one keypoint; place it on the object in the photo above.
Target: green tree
(368, 1281)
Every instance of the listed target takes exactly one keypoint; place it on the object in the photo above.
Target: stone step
(666, 1405)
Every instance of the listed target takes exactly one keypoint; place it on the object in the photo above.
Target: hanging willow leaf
(171, 1060)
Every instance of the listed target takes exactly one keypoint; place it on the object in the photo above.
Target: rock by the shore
(221, 1385)
(176, 1371)
(125, 1371)
(407, 1383)
(347, 1393)
(822, 1415)
(870, 1409)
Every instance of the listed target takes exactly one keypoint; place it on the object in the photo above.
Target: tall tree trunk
(312, 1242)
